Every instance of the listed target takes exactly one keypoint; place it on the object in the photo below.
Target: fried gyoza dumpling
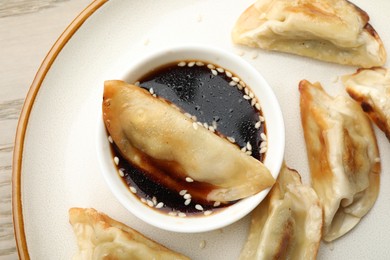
(101, 237)
(371, 88)
(329, 30)
(343, 157)
(287, 224)
(156, 137)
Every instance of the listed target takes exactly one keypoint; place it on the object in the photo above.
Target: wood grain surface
(28, 29)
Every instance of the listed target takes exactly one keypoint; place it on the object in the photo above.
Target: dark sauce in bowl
(217, 99)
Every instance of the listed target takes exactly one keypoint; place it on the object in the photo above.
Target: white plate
(59, 167)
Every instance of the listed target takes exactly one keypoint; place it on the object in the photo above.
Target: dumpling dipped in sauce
(154, 135)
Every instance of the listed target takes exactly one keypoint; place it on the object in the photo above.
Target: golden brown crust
(371, 89)
(329, 30)
(101, 237)
(343, 157)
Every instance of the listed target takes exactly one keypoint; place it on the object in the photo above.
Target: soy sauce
(212, 99)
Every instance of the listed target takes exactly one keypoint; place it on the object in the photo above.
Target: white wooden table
(28, 29)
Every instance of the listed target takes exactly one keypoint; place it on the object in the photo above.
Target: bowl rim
(129, 72)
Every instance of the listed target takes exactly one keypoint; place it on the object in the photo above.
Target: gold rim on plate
(17, 211)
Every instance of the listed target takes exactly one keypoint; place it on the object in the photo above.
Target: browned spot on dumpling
(312, 10)
(286, 241)
(366, 107)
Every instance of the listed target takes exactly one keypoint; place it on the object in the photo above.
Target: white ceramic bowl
(131, 70)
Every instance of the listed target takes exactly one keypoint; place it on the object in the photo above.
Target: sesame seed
(188, 179)
(248, 152)
(150, 203)
(262, 119)
(220, 70)
(243, 149)
(236, 79)
(159, 205)
(211, 129)
(263, 144)
(257, 125)
(137, 83)
(191, 64)
(246, 97)
(121, 173)
(143, 200)
(257, 106)
(182, 215)
(263, 136)
(188, 115)
(195, 125)
(231, 139)
(172, 213)
(133, 189)
(199, 63)
(251, 95)
(187, 196)
(206, 125)
(181, 64)
(182, 192)
(246, 91)
(199, 123)
(187, 202)
(239, 87)
(217, 203)
(214, 124)
(194, 118)
(248, 146)
(154, 95)
(253, 102)
(199, 207)
(202, 244)
(214, 72)
(263, 150)
(151, 91)
(232, 83)
(154, 200)
(207, 212)
(116, 160)
(242, 83)
(211, 66)
(110, 139)
(228, 74)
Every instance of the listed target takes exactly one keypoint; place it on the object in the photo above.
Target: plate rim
(51, 56)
